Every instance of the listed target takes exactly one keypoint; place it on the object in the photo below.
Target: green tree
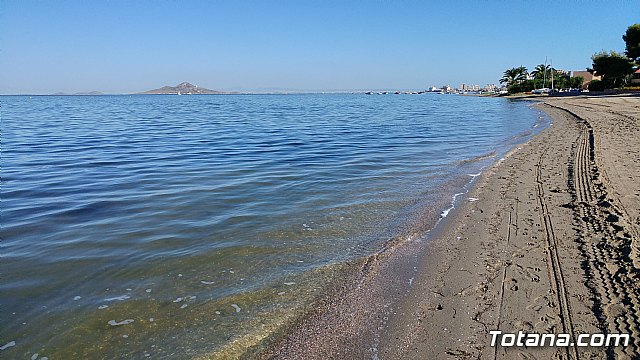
(523, 73)
(632, 39)
(576, 82)
(596, 85)
(613, 67)
(541, 75)
(561, 80)
(541, 71)
(509, 77)
(524, 86)
(514, 76)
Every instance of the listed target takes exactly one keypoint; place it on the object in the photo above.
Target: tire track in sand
(556, 275)
(605, 245)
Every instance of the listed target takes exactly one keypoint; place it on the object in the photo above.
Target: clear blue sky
(127, 46)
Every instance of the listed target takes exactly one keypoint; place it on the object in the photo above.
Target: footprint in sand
(615, 310)
(514, 285)
(524, 326)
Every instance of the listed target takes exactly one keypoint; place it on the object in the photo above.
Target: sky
(128, 46)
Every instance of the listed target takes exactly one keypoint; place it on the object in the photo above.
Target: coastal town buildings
(490, 88)
(587, 76)
(465, 87)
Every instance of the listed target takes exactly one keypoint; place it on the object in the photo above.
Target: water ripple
(238, 204)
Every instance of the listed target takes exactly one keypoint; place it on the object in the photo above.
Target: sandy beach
(545, 242)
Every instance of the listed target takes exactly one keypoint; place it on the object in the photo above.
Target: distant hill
(80, 93)
(183, 88)
(89, 93)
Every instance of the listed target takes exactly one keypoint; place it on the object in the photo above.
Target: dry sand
(551, 245)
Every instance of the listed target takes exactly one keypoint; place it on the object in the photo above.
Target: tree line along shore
(609, 70)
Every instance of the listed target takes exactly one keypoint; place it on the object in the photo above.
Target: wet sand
(545, 242)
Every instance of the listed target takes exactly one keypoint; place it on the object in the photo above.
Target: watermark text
(498, 338)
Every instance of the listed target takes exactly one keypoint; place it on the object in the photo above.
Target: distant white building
(490, 88)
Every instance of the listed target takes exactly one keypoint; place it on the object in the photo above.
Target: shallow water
(195, 225)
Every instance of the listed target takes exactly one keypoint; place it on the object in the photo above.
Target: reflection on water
(195, 225)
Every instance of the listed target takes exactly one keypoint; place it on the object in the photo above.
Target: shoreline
(369, 287)
(387, 274)
(521, 255)
(264, 309)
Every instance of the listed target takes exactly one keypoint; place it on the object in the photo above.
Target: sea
(169, 226)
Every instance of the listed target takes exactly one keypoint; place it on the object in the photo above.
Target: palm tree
(514, 75)
(523, 73)
(541, 70)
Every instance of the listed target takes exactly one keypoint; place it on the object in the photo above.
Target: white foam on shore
(118, 298)
(453, 201)
(238, 308)
(8, 345)
(123, 322)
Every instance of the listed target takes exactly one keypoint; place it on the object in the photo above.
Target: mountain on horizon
(183, 88)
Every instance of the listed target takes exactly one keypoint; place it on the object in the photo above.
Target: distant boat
(179, 93)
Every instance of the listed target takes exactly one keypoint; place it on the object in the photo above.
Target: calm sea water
(175, 226)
